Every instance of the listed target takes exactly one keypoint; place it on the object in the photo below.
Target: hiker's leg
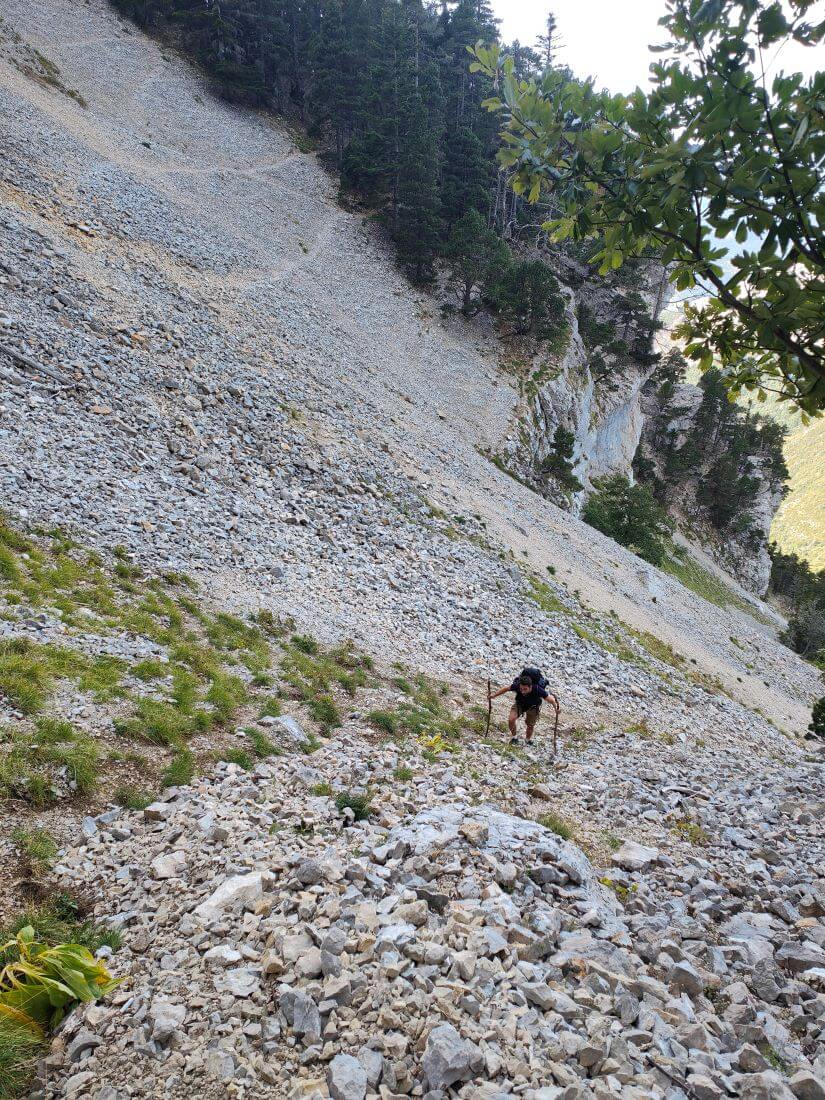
(530, 718)
(511, 721)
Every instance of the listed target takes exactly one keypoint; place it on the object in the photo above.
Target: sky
(608, 39)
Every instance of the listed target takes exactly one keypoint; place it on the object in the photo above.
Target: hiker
(531, 690)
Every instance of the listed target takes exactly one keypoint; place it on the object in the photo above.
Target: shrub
(630, 515)
(817, 726)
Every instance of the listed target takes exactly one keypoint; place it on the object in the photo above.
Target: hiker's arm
(501, 691)
(554, 699)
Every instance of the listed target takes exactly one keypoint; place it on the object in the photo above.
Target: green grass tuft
(384, 720)
(150, 670)
(180, 771)
(359, 804)
(556, 825)
(132, 799)
(38, 846)
(324, 710)
(239, 757)
(261, 743)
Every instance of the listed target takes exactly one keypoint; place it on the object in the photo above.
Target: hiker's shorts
(531, 714)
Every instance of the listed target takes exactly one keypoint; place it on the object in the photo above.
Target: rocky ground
(452, 944)
(207, 362)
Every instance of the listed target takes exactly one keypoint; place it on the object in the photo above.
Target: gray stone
(634, 857)
(167, 1017)
(806, 1086)
(448, 1058)
(238, 890)
(346, 1078)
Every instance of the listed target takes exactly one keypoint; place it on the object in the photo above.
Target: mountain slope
(799, 525)
(246, 352)
(209, 368)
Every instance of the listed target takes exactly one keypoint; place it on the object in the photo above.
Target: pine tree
(527, 296)
(417, 222)
(559, 463)
(466, 184)
(548, 43)
(474, 253)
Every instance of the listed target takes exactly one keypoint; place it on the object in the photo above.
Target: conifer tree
(476, 254)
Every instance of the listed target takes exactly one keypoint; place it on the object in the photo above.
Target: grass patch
(703, 583)
(261, 743)
(556, 825)
(52, 731)
(180, 771)
(271, 708)
(321, 790)
(157, 722)
(31, 765)
(403, 774)
(384, 720)
(19, 1048)
(546, 598)
(324, 710)
(312, 674)
(25, 678)
(60, 920)
(38, 847)
(692, 832)
(237, 756)
(359, 804)
(131, 798)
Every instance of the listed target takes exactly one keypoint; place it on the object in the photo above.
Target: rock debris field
(206, 361)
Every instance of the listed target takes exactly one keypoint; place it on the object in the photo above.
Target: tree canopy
(719, 167)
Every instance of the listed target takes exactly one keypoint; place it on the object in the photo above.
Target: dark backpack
(537, 676)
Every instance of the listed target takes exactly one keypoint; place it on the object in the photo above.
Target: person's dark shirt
(532, 699)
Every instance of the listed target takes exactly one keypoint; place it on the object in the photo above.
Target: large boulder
(448, 1058)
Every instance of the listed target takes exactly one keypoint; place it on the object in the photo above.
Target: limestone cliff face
(741, 549)
(591, 384)
(596, 383)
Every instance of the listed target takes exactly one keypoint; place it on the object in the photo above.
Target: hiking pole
(489, 709)
(556, 726)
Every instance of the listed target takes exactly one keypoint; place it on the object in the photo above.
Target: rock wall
(592, 386)
(742, 553)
